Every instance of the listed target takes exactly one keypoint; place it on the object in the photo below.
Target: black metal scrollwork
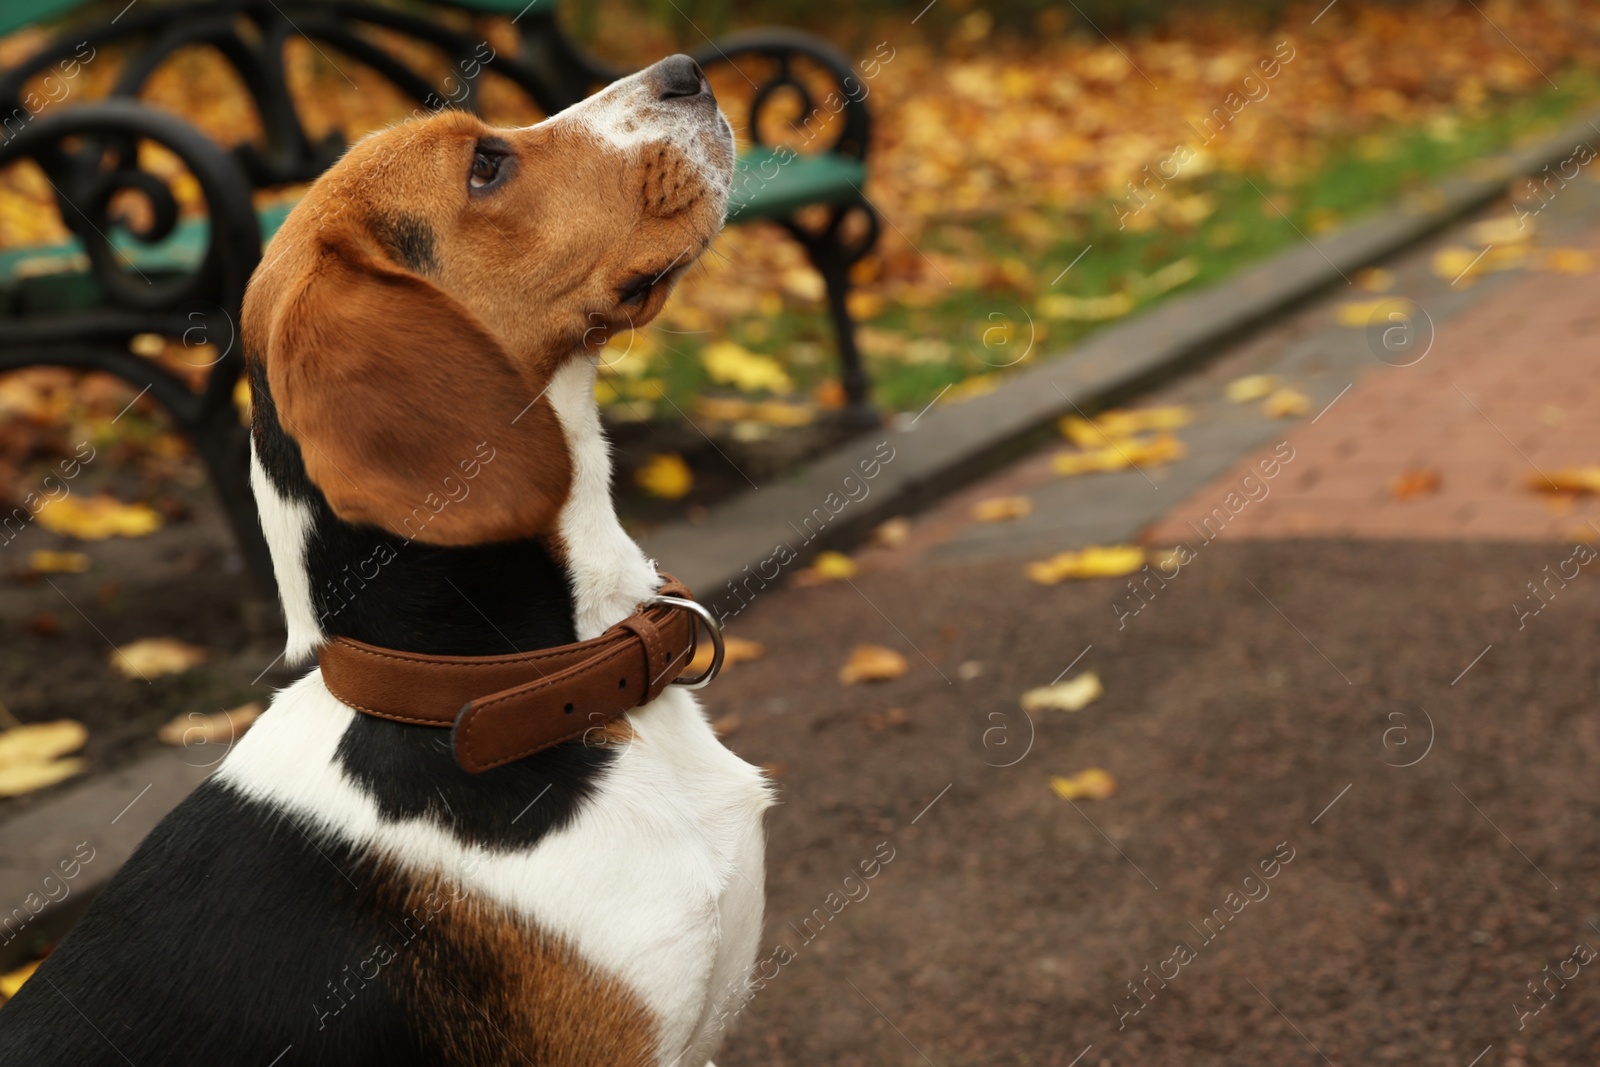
(779, 49)
(850, 228)
(89, 153)
(251, 36)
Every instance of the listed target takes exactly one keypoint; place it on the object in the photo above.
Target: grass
(966, 339)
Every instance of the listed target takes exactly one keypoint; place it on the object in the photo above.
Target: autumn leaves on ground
(1032, 191)
(1145, 165)
(996, 161)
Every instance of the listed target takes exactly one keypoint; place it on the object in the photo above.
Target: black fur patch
(377, 587)
(410, 240)
(411, 771)
(469, 600)
(231, 936)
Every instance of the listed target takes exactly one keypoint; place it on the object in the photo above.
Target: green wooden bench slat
(773, 184)
(179, 252)
(517, 8)
(767, 185)
(15, 14)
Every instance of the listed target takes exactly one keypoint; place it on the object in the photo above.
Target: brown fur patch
(410, 320)
(490, 990)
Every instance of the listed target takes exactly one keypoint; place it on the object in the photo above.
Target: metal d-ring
(701, 612)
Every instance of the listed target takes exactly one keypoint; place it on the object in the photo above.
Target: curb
(748, 542)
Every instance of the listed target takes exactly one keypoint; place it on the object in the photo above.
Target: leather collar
(503, 708)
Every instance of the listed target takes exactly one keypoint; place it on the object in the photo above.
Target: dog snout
(678, 78)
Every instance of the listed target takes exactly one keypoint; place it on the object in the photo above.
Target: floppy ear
(409, 415)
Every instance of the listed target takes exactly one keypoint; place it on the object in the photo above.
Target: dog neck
(339, 579)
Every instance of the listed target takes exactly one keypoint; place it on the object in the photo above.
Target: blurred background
(1003, 141)
(1256, 210)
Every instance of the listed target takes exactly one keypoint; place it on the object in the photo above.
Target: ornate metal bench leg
(224, 444)
(858, 410)
(832, 253)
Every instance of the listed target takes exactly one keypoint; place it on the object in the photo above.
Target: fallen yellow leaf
(1285, 403)
(97, 518)
(832, 567)
(734, 650)
(1466, 264)
(241, 399)
(892, 533)
(1068, 464)
(12, 981)
(1568, 261)
(1250, 387)
(1081, 432)
(1095, 561)
(224, 726)
(864, 305)
(829, 395)
(665, 475)
(44, 561)
(1506, 257)
(1117, 455)
(1375, 280)
(1169, 277)
(1085, 308)
(1074, 694)
(40, 742)
(1567, 480)
(1501, 230)
(804, 283)
(1357, 313)
(1453, 263)
(733, 364)
(1002, 508)
(1118, 424)
(872, 663)
(1092, 784)
(20, 778)
(1420, 482)
(151, 657)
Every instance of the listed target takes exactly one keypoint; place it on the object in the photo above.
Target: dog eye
(485, 168)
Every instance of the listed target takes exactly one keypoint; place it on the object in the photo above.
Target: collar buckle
(703, 614)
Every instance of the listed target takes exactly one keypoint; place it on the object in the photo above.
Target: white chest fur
(658, 881)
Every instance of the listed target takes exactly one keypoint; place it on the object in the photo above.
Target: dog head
(416, 303)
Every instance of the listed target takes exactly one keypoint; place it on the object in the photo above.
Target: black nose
(680, 76)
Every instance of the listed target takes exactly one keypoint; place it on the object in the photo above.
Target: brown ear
(409, 414)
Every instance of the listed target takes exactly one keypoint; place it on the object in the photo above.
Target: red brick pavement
(1508, 389)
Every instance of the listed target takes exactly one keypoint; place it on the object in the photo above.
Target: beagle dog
(422, 338)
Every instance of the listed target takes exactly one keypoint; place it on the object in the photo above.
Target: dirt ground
(57, 632)
(1269, 700)
(1008, 923)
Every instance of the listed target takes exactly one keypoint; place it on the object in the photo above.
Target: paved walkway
(1502, 392)
(1402, 717)
(1506, 396)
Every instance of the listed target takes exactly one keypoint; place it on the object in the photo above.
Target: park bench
(124, 286)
